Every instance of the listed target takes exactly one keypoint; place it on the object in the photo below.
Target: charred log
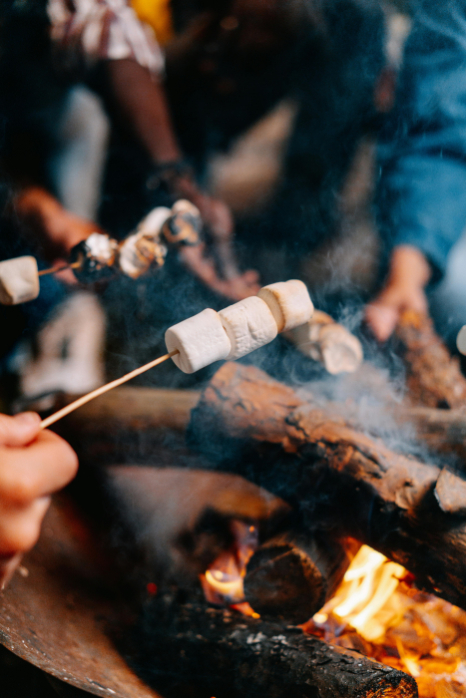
(291, 576)
(191, 649)
(339, 478)
(434, 377)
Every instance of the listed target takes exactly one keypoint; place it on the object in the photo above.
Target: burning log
(176, 524)
(434, 377)
(186, 647)
(291, 576)
(338, 477)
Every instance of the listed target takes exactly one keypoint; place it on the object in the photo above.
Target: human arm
(57, 229)
(404, 290)
(33, 465)
(422, 188)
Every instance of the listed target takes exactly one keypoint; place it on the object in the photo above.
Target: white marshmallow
(200, 339)
(330, 343)
(341, 351)
(19, 280)
(289, 303)
(101, 248)
(249, 325)
(152, 224)
(461, 340)
(130, 261)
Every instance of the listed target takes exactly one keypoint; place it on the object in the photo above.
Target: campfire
(311, 562)
(377, 611)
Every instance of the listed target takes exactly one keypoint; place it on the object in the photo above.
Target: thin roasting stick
(53, 270)
(103, 389)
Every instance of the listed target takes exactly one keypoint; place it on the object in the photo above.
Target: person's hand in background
(404, 290)
(33, 465)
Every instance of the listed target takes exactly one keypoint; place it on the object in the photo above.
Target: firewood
(291, 576)
(336, 476)
(434, 377)
(189, 649)
(142, 417)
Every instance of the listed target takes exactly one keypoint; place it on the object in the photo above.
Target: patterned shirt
(103, 29)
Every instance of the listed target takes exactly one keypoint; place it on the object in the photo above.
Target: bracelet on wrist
(166, 173)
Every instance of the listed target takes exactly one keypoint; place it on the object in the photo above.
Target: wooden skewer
(103, 389)
(53, 270)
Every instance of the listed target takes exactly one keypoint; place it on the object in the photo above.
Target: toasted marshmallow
(249, 325)
(96, 257)
(328, 342)
(289, 303)
(152, 224)
(19, 280)
(138, 253)
(201, 340)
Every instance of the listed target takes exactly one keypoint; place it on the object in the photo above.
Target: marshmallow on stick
(93, 259)
(142, 250)
(184, 225)
(19, 280)
(239, 329)
(205, 338)
(289, 303)
(200, 340)
(328, 342)
(249, 325)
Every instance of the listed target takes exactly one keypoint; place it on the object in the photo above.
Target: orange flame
(222, 583)
(376, 612)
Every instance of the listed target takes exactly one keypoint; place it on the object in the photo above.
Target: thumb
(382, 320)
(19, 430)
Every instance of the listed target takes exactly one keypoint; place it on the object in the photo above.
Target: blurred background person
(422, 185)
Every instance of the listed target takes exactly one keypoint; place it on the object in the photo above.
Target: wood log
(338, 478)
(169, 525)
(443, 431)
(434, 377)
(189, 649)
(129, 423)
(291, 576)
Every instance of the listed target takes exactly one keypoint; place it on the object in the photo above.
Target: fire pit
(239, 590)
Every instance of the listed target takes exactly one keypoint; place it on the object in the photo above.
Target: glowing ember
(376, 612)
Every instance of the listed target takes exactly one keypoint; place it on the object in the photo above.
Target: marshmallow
(200, 339)
(138, 253)
(289, 303)
(184, 225)
(461, 340)
(249, 325)
(101, 247)
(96, 256)
(152, 224)
(19, 280)
(324, 340)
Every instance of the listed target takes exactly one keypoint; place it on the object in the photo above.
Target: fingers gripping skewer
(103, 389)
